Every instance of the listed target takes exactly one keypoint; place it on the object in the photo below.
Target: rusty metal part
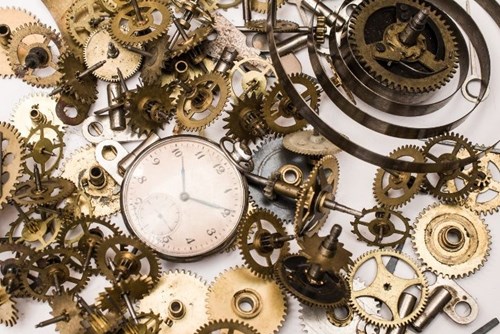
(70, 110)
(152, 66)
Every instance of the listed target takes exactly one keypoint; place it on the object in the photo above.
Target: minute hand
(215, 206)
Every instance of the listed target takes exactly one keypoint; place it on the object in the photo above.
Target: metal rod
(130, 308)
(139, 51)
(487, 327)
(91, 69)
(83, 304)
(137, 11)
(38, 178)
(63, 317)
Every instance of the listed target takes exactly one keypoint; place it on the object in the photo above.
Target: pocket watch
(184, 197)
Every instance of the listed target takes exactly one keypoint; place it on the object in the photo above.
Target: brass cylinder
(4, 35)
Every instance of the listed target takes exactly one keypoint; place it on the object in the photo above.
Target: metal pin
(180, 29)
(57, 91)
(122, 80)
(137, 10)
(487, 327)
(139, 51)
(38, 178)
(113, 51)
(83, 304)
(45, 151)
(63, 317)
(130, 307)
(91, 69)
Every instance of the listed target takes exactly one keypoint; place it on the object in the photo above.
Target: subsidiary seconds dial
(183, 197)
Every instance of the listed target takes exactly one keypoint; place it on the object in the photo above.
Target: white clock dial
(184, 197)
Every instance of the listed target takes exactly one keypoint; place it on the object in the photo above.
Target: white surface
(354, 190)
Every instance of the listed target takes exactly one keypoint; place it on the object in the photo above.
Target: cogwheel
(150, 107)
(231, 326)
(281, 26)
(42, 45)
(260, 6)
(127, 29)
(12, 259)
(199, 107)
(280, 114)
(12, 160)
(152, 66)
(245, 121)
(385, 56)
(257, 234)
(135, 287)
(176, 297)
(436, 183)
(52, 191)
(146, 323)
(452, 241)
(8, 310)
(12, 18)
(394, 189)
(387, 288)
(82, 18)
(112, 6)
(100, 46)
(64, 304)
(193, 39)
(84, 89)
(308, 142)
(233, 290)
(320, 30)
(251, 75)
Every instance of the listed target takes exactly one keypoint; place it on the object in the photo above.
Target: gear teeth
(10, 133)
(196, 37)
(214, 325)
(261, 7)
(8, 311)
(235, 124)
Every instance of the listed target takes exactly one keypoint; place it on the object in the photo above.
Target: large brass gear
(128, 29)
(387, 288)
(260, 6)
(8, 311)
(13, 151)
(194, 38)
(245, 121)
(82, 18)
(381, 227)
(98, 48)
(30, 37)
(394, 189)
(229, 326)
(255, 238)
(83, 89)
(150, 107)
(235, 289)
(53, 190)
(417, 67)
(280, 114)
(13, 258)
(135, 287)
(308, 142)
(177, 298)
(65, 304)
(436, 183)
(201, 106)
(152, 66)
(452, 241)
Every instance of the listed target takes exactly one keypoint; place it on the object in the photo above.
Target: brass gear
(381, 227)
(42, 267)
(320, 185)
(81, 168)
(84, 89)
(53, 191)
(260, 6)
(194, 38)
(280, 114)
(12, 17)
(112, 6)
(452, 241)
(320, 30)
(99, 323)
(126, 28)
(78, 204)
(436, 183)
(130, 257)
(147, 323)
(8, 310)
(251, 75)
(65, 304)
(150, 107)
(387, 288)
(98, 48)
(152, 66)
(245, 122)
(82, 18)
(201, 106)
(255, 234)
(12, 160)
(231, 326)
(394, 189)
(374, 38)
(25, 39)
(135, 287)
(281, 26)
(308, 142)
(13, 258)
(236, 288)
(177, 298)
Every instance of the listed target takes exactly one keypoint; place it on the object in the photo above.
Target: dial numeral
(211, 231)
(199, 154)
(190, 241)
(156, 161)
(177, 152)
(227, 212)
(219, 169)
(141, 179)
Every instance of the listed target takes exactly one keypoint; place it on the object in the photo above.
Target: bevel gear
(13, 258)
(309, 142)
(135, 287)
(381, 227)
(52, 191)
(129, 29)
(130, 257)
(199, 107)
(452, 241)
(50, 269)
(99, 187)
(13, 151)
(281, 116)
(436, 183)
(64, 304)
(231, 326)
(260, 6)
(236, 288)
(245, 121)
(100, 46)
(8, 310)
(82, 18)
(262, 241)
(194, 38)
(83, 89)
(33, 51)
(387, 288)
(394, 189)
(176, 296)
(150, 107)
(407, 45)
(152, 66)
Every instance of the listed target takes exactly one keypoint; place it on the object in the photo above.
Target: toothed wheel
(194, 38)
(13, 155)
(151, 70)
(146, 323)
(452, 241)
(229, 326)
(13, 258)
(135, 287)
(8, 311)
(260, 6)
(281, 26)
(84, 89)
(52, 191)
(407, 62)
(64, 304)
(82, 18)
(308, 142)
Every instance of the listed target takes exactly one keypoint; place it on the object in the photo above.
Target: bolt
(113, 51)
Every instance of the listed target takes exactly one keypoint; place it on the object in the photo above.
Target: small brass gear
(53, 190)
(112, 6)
(308, 142)
(8, 311)
(251, 75)
(84, 89)
(135, 287)
(194, 38)
(387, 288)
(320, 30)
(260, 6)
(64, 304)
(237, 287)
(152, 66)
(231, 326)
(281, 26)
(13, 155)
(82, 18)
(148, 323)
(452, 241)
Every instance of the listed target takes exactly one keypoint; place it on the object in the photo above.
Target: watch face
(183, 197)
